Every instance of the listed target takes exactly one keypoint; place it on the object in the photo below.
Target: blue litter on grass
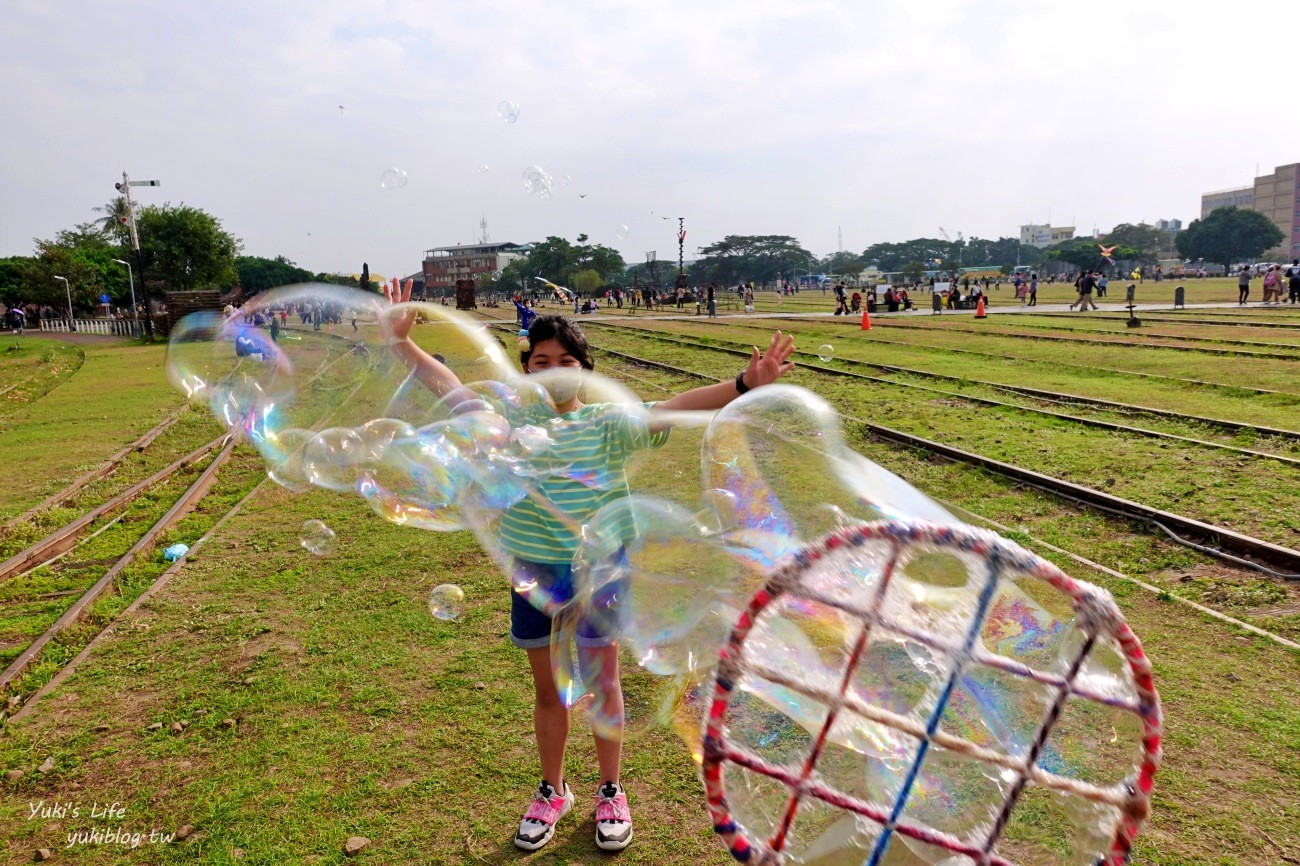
(175, 552)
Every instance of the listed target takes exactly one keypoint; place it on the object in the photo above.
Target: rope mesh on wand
(1096, 617)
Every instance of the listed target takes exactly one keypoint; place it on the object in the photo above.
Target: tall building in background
(1276, 196)
(1240, 197)
(1044, 235)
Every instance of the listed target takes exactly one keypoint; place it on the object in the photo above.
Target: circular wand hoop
(1096, 618)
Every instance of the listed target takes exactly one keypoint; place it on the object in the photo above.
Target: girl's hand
(396, 327)
(766, 367)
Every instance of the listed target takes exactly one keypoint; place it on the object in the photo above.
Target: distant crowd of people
(22, 315)
(1276, 280)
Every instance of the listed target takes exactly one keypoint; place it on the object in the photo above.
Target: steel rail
(65, 536)
(74, 613)
(1018, 358)
(1036, 393)
(1220, 536)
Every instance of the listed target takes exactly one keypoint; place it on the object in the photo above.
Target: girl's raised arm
(764, 368)
(396, 328)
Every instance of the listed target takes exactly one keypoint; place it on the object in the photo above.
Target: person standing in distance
(1293, 281)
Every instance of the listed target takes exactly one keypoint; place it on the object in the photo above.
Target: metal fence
(111, 327)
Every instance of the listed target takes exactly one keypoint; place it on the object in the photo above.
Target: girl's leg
(608, 706)
(550, 718)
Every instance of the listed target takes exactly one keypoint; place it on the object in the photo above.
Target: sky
(882, 121)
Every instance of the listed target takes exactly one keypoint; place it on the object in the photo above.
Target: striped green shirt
(593, 445)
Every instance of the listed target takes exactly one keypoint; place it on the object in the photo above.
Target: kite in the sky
(1106, 253)
(340, 109)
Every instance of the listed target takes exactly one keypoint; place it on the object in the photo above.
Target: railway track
(1229, 539)
(1294, 355)
(1110, 405)
(1019, 358)
(1145, 332)
(1246, 549)
(915, 323)
(165, 578)
(100, 472)
(1177, 319)
(1034, 393)
(66, 536)
(78, 353)
(63, 539)
(20, 382)
(73, 614)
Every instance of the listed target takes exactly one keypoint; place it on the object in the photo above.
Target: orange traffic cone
(866, 320)
(979, 309)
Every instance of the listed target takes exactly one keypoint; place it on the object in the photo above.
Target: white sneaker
(613, 818)
(538, 825)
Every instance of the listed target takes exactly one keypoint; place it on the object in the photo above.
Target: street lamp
(130, 275)
(72, 325)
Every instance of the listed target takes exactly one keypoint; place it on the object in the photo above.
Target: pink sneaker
(538, 825)
(613, 818)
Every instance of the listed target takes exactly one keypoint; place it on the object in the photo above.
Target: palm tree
(113, 221)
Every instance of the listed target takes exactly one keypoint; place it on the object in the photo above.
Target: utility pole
(125, 189)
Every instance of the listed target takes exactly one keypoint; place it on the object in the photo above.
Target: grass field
(321, 700)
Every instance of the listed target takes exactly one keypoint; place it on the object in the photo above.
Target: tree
(85, 256)
(186, 247)
(1147, 240)
(11, 279)
(586, 282)
(1085, 254)
(257, 274)
(605, 261)
(1229, 235)
(558, 260)
(842, 262)
(84, 276)
(914, 271)
(1003, 252)
(517, 277)
(950, 255)
(891, 257)
(113, 222)
(758, 258)
(351, 280)
(552, 258)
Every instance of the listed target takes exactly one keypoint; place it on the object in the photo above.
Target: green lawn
(112, 397)
(357, 713)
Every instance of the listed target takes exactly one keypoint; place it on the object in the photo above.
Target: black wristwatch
(740, 382)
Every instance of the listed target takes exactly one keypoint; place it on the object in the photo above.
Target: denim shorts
(530, 628)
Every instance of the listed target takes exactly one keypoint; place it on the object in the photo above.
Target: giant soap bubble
(863, 676)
